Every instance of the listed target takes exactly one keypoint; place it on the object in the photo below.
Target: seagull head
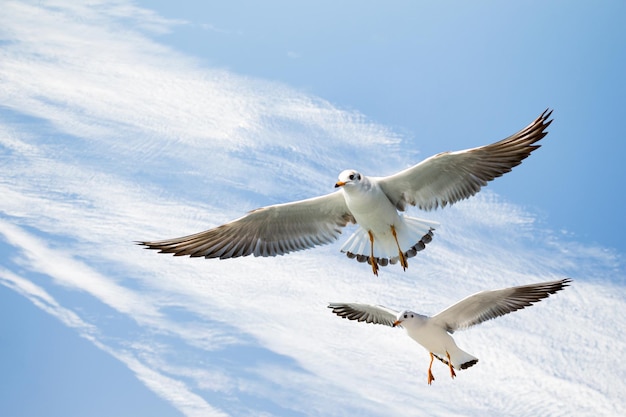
(349, 176)
(404, 316)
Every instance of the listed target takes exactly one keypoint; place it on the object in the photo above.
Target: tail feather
(466, 362)
(413, 237)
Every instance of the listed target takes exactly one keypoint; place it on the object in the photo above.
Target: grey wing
(365, 312)
(487, 305)
(268, 231)
(452, 176)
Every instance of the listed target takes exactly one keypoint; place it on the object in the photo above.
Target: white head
(348, 177)
(405, 316)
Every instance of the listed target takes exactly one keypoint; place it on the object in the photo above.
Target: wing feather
(487, 305)
(267, 231)
(452, 176)
(365, 312)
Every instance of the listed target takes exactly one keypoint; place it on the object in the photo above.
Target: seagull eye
(351, 176)
(405, 316)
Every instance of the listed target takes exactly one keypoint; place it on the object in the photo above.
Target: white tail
(413, 235)
(460, 359)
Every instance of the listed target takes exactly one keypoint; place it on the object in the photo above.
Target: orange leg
(452, 373)
(431, 378)
(403, 260)
(372, 259)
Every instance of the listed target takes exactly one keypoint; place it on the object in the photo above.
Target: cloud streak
(171, 389)
(109, 137)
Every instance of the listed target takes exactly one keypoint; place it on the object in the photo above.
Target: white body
(374, 212)
(371, 208)
(436, 340)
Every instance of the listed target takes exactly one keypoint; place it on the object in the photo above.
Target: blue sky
(124, 121)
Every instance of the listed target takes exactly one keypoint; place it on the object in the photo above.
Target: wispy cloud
(108, 137)
(171, 389)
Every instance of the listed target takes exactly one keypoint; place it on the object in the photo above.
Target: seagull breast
(371, 207)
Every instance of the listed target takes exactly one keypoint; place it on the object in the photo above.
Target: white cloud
(130, 140)
(171, 389)
(72, 274)
(39, 297)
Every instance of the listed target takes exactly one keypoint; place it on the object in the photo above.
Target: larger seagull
(434, 333)
(383, 235)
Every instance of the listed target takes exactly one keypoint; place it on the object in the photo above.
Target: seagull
(383, 236)
(433, 333)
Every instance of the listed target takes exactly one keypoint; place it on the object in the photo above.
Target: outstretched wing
(268, 231)
(487, 305)
(365, 312)
(452, 176)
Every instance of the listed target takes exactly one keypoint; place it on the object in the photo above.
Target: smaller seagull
(433, 333)
(383, 236)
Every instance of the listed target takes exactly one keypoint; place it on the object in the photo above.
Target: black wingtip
(547, 113)
(469, 364)
(146, 245)
(566, 282)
